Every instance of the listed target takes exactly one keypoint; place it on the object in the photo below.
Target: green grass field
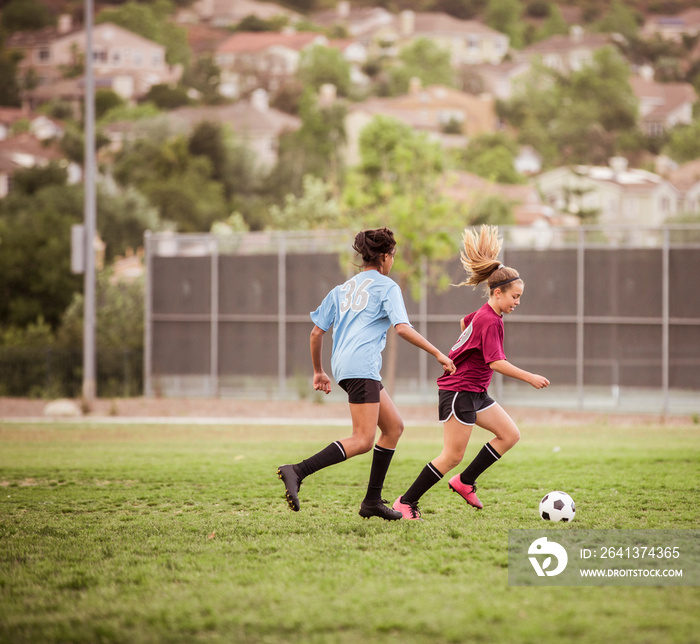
(149, 533)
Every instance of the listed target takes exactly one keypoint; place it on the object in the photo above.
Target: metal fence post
(214, 322)
(580, 322)
(282, 315)
(147, 314)
(665, 270)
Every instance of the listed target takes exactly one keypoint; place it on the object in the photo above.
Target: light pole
(89, 361)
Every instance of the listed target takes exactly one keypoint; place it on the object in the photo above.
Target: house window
(99, 56)
(630, 208)
(44, 55)
(665, 204)
(138, 59)
(473, 43)
(116, 58)
(156, 60)
(655, 128)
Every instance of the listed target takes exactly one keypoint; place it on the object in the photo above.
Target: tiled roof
(241, 116)
(30, 39)
(669, 96)
(26, 143)
(437, 22)
(251, 42)
(686, 176)
(466, 187)
(418, 109)
(561, 44)
(205, 39)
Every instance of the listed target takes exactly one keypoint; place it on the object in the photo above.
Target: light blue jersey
(360, 312)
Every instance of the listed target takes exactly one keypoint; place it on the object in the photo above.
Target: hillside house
(686, 23)
(258, 126)
(567, 53)
(468, 41)
(662, 105)
(25, 151)
(123, 60)
(267, 60)
(500, 80)
(228, 13)
(445, 114)
(686, 179)
(356, 21)
(617, 194)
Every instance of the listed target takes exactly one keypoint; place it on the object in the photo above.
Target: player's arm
(507, 369)
(321, 380)
(408, 333)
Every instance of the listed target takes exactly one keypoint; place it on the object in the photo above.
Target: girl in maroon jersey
(463, 398)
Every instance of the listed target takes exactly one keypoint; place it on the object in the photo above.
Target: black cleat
(378, 509)
(291, 483)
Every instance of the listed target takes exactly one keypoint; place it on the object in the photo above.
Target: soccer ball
(557, 506)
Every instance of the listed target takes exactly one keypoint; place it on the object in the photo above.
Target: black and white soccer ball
(557, 506)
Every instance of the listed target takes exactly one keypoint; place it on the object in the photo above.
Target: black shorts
(463, 404)
(361, 390)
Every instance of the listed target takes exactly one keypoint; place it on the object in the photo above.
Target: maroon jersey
(481, 343)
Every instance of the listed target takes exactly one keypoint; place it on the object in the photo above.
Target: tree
(506, 16)
(584, 115)
(35, 277)
(463, 9)
(316, 208)
(167, 98)
(313, 149)
(25, 15)
(28, 181)
(684, 142)
(493, 210)
(119, 332)
(204, 75)
(492, 156)
(422, 59)
(123, 216)
(106, 100)
(396, 158)
(9, 87)
(174, 181)
(554, 24)
(395, 186)
(619, 19)
(320, 65)
(151, 21)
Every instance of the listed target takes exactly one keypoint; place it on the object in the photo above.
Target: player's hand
(322, 382)
(539, 382)
(447, 364)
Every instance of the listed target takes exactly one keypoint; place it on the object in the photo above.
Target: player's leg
(456, 412)
(455, 439)
(363, 398)
(391, 427)
(494, 419)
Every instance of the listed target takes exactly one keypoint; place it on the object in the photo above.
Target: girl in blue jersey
(360, 312)
(463, 398)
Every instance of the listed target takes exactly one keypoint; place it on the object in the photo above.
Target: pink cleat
(408, 511)
(467, 492)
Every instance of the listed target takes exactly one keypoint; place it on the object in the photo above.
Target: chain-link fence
(608, 314)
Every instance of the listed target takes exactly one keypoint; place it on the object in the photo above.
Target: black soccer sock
(381, 459)
(428, 477)
(482, 461)
(328, 456)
